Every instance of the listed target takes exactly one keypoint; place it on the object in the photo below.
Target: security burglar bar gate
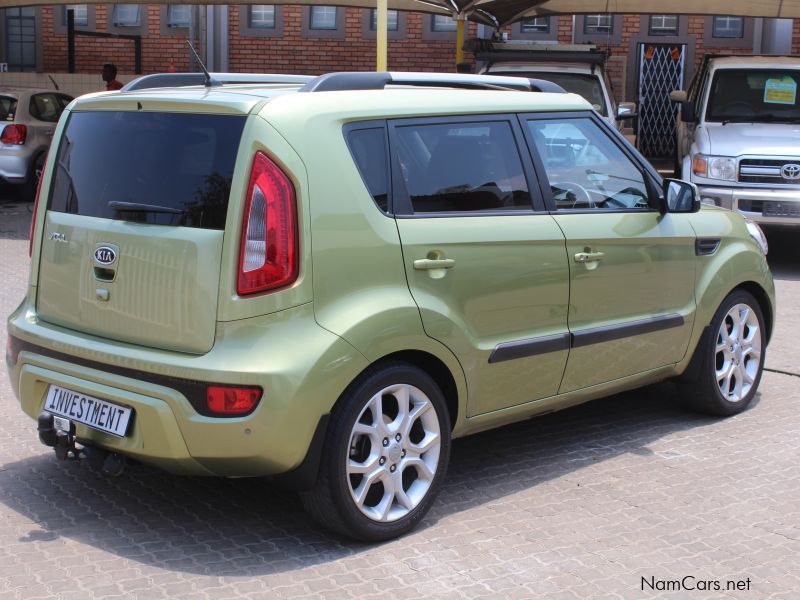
(661, 69)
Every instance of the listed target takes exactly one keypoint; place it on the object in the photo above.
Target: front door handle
(428, 264)
(588, 257)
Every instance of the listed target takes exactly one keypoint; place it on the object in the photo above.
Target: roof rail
(524, 50)
(165, 80)
(364, 80)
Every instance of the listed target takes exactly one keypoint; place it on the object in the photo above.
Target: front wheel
(385, 455)
(725, 371)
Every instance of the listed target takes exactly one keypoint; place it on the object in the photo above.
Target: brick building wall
(796, 37)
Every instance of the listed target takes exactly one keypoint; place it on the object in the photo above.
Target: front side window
(728, 27)
(535, 25)
(391, 19)
(125, 15)
(594, 24)
(663, 24)
(443, 23)
(262, 16)
(754, 96)
(179, 15)
(81, 12)
(461, 167)
(585, 168)
(322, 17)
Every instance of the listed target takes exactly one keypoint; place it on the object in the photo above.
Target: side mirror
(678, 96)
(680, 196)
(687, 112)
(626, 110)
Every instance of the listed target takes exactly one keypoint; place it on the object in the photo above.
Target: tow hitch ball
(62, 440)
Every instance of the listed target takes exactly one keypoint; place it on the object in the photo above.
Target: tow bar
(59, 433)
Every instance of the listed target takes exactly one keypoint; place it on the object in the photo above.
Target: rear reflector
(228, 401)
(14, 134)
(268, 254)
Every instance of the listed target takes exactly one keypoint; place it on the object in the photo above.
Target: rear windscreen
(157, 168)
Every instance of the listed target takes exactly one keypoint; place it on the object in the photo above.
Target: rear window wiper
(139, 207)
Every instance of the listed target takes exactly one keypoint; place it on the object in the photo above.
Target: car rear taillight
(36, 206)
(232, 401)
(14, 134)
(268, 255)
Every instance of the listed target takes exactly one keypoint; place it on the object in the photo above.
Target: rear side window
(158, 168)
(368, 147)
(45, 107)
(462, 167)
(8, 108)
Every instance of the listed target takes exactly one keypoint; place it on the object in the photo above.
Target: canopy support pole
(461, 21)
(382, 35)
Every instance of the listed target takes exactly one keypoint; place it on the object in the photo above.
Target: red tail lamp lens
(232, 400)
(268, 257)
(14, 134)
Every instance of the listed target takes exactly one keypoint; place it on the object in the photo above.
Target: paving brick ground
(586, 503)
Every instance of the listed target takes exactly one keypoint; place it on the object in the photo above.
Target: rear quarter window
(157, 168)
(368, 148)
(8, 108)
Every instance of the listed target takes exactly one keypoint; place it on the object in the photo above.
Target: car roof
(762, 61)
(385, 103)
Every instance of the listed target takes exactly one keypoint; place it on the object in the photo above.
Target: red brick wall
(297, 53)
(158, 52)
(796, 37)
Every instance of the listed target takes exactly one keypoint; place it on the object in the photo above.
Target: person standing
(110, 77)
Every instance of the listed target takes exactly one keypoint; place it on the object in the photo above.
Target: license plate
(94, 412)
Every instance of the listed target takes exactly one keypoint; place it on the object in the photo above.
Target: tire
(29, 187)
(372, 485)
(725, 370)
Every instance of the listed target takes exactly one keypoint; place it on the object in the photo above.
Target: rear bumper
(766, 206)
(301, 367)
(14, 164)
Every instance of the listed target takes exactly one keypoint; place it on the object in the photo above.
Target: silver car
(28, 120)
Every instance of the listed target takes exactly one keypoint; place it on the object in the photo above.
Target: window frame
(544, 31)
(434, 29)
(66, 7)
(663, 32)
(401, 206)
(716, 36)
(311, 18)
(252, 25)
(373, 20)
(596, 31)
(113, 20)
(651, 178)
(350, 128)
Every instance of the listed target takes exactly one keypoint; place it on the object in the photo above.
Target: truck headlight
(758, 235)
(714, 167)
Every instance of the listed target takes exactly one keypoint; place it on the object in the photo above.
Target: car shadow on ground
(248, 527)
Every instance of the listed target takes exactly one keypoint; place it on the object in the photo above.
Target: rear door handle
(427, 264)
(587, 257)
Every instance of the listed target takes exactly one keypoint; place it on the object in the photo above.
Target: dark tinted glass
(159, 168)
(45, 107)
(368, 147)
(8, 107)
(462, 167)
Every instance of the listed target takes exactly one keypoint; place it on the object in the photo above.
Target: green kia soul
(327, 282)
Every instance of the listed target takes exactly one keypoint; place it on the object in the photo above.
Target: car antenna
(210, 81)
(55, 85)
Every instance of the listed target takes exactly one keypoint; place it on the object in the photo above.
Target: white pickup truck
(738, 136)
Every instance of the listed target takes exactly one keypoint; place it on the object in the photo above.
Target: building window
(595, 24)
(125, 15)
(391, 19)
(443, 23)
(322, 17)
(261, 16)
(728, 27)
(179, 15)
(21, 39)
(663, 24)
(81, 14)
(535, 25)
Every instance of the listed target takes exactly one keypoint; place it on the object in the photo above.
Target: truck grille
(770, 171)
(771, 208)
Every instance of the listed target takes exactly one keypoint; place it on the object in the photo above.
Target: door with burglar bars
(661, 69)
